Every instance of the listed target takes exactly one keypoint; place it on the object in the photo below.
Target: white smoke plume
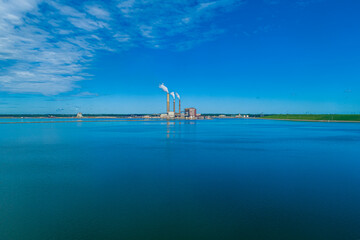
(173, 95)
(178, 96)
(164, 88)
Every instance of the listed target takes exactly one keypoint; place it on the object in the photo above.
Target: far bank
(315, 117)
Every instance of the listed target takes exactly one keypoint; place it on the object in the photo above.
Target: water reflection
(175, 128)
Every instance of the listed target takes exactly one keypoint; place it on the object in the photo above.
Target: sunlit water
(211, 179)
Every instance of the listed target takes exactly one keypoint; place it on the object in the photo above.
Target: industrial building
(190, 112)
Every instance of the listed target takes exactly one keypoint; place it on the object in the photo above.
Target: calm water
(219, 179)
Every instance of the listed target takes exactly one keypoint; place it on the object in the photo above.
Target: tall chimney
(174, 106)
(167, 102)
(179, 107)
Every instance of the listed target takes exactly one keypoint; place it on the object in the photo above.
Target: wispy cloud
(86, 94)
(47, 46)
(98, 11)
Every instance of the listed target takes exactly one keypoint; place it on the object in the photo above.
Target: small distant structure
(79, 115)
(168, 115)
(242, 116)
(171, 114)
(190, 112)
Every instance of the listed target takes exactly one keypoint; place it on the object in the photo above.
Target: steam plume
(173, 95)
(177, 95)
(164, 88)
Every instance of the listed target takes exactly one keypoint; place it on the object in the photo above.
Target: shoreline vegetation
(315, 117)
(355, 118)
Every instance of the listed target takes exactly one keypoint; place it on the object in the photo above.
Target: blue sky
(260, 56)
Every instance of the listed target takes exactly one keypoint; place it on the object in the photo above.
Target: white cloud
(47, 46)
(98, 12)
(86, 94)
(205, 5)
(122, 37)
(126, 6)
(146, 31)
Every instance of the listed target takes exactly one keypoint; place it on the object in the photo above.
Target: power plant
(190, 113)
(178, 96)
(168, 103)
(173, 95)
(165, 89)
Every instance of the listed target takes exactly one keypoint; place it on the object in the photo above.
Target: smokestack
(178, 96)
(165, 89)
(173, 95)
(167, 102)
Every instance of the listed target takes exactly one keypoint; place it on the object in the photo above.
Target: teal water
(216, 179)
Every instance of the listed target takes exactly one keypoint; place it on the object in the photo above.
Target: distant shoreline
(75, 121)
(307, 120)
(37, 117)
(336, 118)
(144, 120)
(87, 119)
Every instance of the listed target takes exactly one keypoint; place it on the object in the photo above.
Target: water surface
(216, 179)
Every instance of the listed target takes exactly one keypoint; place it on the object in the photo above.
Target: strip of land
(76, 121)
(316, 117)
(354, 118)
